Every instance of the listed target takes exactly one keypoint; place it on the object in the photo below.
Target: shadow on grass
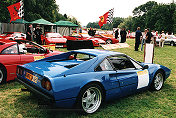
(31, 105)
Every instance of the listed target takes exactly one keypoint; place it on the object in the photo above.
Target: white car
(171, 39)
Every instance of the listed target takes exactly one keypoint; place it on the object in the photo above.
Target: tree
(33, 10)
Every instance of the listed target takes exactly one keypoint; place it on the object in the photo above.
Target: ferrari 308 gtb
(85, 78)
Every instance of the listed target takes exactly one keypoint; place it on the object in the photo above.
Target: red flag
(103, 19)
(13, 10)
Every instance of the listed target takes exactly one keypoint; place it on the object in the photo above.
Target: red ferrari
(13, 36)
(54, 38)
(96, 41)
(18, 52)
(108, 40)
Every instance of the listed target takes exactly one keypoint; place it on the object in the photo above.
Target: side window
(11, 50)
(121, 62)
(104, 66)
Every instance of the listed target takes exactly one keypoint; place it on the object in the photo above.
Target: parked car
(86, 78)
(170, 39)
(108, 40)
(54, 38)
(18, 52)
(13, 36)
(96, 41)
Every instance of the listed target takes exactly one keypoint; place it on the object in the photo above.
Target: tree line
(159, 17)
(35, 9)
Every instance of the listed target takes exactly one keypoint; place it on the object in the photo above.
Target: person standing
(137, 38)
(37, 35)
(123, 35)
(143, 39)
(148, 36)
(29, 33)
(116, 34)
(163, 36)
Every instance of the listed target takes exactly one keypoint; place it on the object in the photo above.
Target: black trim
(34, 89)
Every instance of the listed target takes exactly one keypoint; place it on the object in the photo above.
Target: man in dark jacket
(148, 36)
(137, 38)
(123, 35)
(29, 33)
(37, 35)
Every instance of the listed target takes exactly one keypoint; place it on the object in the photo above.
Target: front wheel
(158, 81)
(90, 98)
(2, 75)
(108, 41)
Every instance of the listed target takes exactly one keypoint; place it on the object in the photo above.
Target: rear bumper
(29, 86)
(64, 103)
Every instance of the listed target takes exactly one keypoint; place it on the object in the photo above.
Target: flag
(16, 11)
(106, 18)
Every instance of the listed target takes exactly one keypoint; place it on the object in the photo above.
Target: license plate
(31, 77)
(59, 46)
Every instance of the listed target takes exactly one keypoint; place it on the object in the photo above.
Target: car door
(111, 82)
(130, 75)
(10, 58)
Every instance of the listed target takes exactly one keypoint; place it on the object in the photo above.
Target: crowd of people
(148, 37)
(36, 34)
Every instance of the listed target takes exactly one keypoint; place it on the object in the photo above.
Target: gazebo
(64, 27)
(46, 25)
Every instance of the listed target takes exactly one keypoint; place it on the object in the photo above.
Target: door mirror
(145, 67)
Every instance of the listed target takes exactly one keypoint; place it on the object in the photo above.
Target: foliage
(116, 22)
(4, 13)
(33, 10)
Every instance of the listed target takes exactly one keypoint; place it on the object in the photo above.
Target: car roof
(98, 52)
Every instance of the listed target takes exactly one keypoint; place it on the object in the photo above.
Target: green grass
(160, 104)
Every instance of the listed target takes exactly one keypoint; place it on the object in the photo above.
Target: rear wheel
(90, 98)
(2, 75)
(108, 41)
(158, 81)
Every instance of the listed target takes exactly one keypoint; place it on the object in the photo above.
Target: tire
(172, 43)
(3, 75)
(90, 98)
(108, 41)
(158, 81)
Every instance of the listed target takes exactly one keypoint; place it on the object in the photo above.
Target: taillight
(46, 84)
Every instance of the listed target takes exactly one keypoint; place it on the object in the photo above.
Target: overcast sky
(90, 10)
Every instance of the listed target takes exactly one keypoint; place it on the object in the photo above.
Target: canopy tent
(42, 22)
(64, 27)
(65, 24)
(20, 21)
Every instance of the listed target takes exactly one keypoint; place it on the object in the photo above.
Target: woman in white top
(163, 36)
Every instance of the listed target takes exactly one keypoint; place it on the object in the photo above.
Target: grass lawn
(161, 104)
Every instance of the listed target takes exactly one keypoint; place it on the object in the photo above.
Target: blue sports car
(86, 78)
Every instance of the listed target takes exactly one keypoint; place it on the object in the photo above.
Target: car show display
(169, 39)
(13, 36)
(18, 52)
(85, 78)
(96, 41)
(108, 40)
(54, 38)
